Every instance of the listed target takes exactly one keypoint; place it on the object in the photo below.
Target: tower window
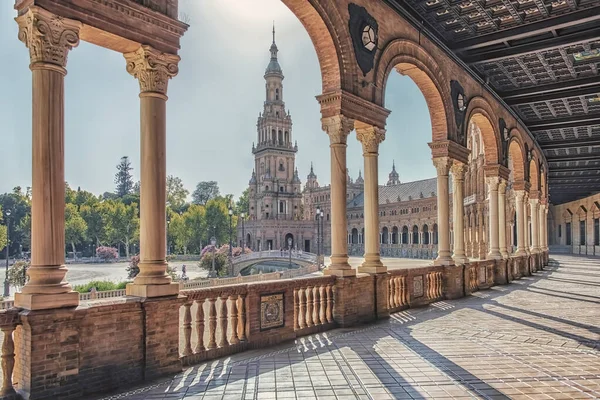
(281, 188)
(281, 168)
(276, 94)
(277, 114)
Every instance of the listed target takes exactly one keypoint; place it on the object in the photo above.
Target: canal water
(268, 266)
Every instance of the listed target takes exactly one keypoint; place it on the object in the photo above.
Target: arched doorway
(435, 234)
(289, 241)
(384, 235)
(405, 234)
(354, 236)
(415, 233)
(425, 234)
(248, 243)
(395, 235)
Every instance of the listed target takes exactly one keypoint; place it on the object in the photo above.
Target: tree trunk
(127, 248)
(74, 251)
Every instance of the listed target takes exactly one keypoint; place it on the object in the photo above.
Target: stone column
(502, 218)
(442, 165)
(153, 70)
(338, 128)
(526, 224)
(520, 206)
(545, 229)
(458, 178)
(49, 39)
(370, 137)
(535, 239)
(493, 223)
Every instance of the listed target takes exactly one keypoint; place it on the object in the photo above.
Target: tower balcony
(274, 146)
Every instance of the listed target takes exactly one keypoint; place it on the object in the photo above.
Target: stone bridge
(300, 258)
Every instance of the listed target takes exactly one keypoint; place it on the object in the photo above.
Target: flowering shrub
(134, 268)
(17, 274)
(107, 253)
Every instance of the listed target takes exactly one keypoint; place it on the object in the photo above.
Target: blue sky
(212, 109)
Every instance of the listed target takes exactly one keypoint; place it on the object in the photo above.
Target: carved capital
(458, 170)
(442, 165)
(493, 182)
(152, 68)
(48, 37)
(370, 137)
(519, 195)
(502, 186)
(337, 127)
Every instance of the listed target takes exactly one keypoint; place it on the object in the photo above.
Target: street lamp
(290, 250)
(322, 238)
(230, 232)
(243, 234)
(318, 238)
(6, 284)
(213, 242)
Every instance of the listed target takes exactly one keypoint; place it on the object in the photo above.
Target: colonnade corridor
(536, 338)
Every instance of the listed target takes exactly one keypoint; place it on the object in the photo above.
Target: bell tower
(275, 188)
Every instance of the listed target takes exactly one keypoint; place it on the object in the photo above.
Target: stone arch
(543, 189)
(516, 151)
(410, 59)
(331, 40)
(480, 113)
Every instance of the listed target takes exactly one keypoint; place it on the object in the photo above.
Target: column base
(339, 272)
(171, 289)
(443, 261)
(520, 253)
(459, 260)
(372, 269)
(41, 301)
(494, 255)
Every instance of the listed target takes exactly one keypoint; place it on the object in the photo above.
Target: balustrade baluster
(8, 360)
(223, 322)
(405, 294)
(440, 284)
(199, 326)
(329, 313)
(233, 317)
(309, 304)
(391, 302)
(323, 299)
(397, 291)
(187, 329)
(301, 308)
(316, 306)
(212, 323)
(296, 308)
(242, 326)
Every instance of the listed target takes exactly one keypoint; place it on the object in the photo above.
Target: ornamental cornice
(448, 148)
(370, 137)
(352, 106)
(48, 37)
(152, 68)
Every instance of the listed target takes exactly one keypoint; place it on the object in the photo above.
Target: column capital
(48, 37)
(502, 186)
(370, 136)
(458, 170)
(442, 165)
(152, 68)
(493, 182)
(519, 194)
(338, 128)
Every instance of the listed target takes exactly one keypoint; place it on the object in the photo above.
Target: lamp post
(213, 242)
(318, 238)
(167, 236)
(6, 284)
(230, 232)
(242, 215)
(322, 238)
(290, 250)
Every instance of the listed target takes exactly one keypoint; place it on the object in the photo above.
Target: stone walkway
(537, 338)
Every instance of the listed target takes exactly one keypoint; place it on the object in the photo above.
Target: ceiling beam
(558, 94)
(533, 47)
(522, 31)
(573, 169)
(559, 123)
(574, 157)
(550, 87)
(570, 144)
(574, 180)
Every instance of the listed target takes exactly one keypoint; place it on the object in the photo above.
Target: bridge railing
(283, 254)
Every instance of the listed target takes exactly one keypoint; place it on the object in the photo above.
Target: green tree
(176, 193)
(204, 192)
(122, 223)
(180, 233)
(217, 219)
(2, 232)
(94, 216)
(123, 177)
(19, 205)
(195, 219)
(243, 203)
(75, 227)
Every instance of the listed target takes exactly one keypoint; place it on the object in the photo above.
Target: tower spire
(273, 31)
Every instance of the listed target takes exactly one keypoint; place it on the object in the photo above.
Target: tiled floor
(537, 338)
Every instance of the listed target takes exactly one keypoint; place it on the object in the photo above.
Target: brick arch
(516, 150)
(410, 59)
(543, 189)
(534, 178)
(480, 113)
(329, 35)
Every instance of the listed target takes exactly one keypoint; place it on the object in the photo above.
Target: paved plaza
(537, 338)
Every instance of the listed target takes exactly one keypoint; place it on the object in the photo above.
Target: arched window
(276, 94)
(435, 234)
(425, 234)
(280, 137)
(274, 135)
(281, 207)
(415, 232)
(327, 217)
(384, 235)
(354, 236)
(395, 235)
(287, 137)
(405, 234)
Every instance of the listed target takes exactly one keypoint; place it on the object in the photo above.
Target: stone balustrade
(8, 324)
(414, 287)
